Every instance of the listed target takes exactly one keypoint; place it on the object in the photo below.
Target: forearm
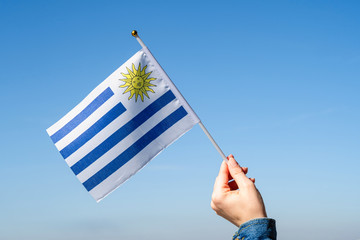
(260, 228)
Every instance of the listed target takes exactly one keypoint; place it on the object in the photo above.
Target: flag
(122, 124)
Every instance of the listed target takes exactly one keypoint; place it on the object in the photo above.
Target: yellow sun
(137, 82)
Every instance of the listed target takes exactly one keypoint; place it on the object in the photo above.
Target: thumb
(236, 171)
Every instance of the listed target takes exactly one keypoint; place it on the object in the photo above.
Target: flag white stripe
(75, 111)
(137, 163)
(86, 124)
(135, 148)
(127, 142)
(116, 126)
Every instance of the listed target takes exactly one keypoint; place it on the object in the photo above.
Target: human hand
(237, 201)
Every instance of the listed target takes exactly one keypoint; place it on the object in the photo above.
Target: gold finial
(134, 33)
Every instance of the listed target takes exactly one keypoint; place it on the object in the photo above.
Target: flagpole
(135, 34)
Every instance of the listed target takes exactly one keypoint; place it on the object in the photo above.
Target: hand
(237, 201)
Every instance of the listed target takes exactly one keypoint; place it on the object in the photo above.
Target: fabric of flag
(122, 124)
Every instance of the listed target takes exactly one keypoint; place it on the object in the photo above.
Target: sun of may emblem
(137, 82)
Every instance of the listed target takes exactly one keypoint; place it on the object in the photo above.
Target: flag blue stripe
(88, 110)
(93, 130)
(134, 149)
(124, 131)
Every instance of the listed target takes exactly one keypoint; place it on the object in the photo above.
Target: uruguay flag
(122, 124)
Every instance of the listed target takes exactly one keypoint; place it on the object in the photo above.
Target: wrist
(240, 222)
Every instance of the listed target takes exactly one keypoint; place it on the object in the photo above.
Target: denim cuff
(259, 228)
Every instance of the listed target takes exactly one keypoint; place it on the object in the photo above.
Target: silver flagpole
(135, 34)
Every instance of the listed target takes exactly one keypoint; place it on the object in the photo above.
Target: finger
(230, 177)
(236, 171)
(233, 186)
(245, 170)
(222, 179)
(224, 172)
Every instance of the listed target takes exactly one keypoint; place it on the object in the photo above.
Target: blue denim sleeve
(260, 228)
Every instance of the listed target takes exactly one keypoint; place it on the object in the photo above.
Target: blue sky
(276, 83)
